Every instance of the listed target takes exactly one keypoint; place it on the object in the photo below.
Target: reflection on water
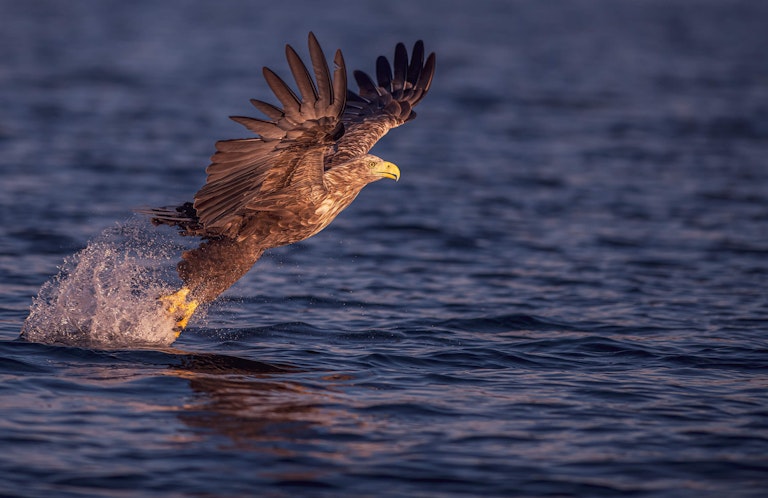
(260, 409)
(251, 403)
(284, 411)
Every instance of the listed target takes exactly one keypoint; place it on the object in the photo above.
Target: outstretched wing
(288, 150)
(385, 104)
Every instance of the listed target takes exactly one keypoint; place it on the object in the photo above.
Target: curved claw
(179, 308)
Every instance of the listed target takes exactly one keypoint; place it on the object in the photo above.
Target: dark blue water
(565, 294)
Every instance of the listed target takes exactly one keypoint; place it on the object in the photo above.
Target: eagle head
(376, 168)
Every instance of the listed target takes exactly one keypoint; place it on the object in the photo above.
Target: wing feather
(291, 103)
(417, 62)
(401, 68)
(267, 129)
(322, 75)
(383, 71)
(380, 106)
(272, 112)
(339, 85)
(427, 73)
(368, 89)
(303, 80)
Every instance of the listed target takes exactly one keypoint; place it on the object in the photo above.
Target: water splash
(105, 296)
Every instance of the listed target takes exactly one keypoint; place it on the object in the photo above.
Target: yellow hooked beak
(386, 169)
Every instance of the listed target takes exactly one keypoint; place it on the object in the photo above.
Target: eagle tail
(183, 217)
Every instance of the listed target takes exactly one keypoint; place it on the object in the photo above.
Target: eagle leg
(177, 306)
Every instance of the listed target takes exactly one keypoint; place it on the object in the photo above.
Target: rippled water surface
(565, 294)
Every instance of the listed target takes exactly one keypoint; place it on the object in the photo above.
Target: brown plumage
(307, 163)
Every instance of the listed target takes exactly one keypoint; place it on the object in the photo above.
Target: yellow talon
(176, 304)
